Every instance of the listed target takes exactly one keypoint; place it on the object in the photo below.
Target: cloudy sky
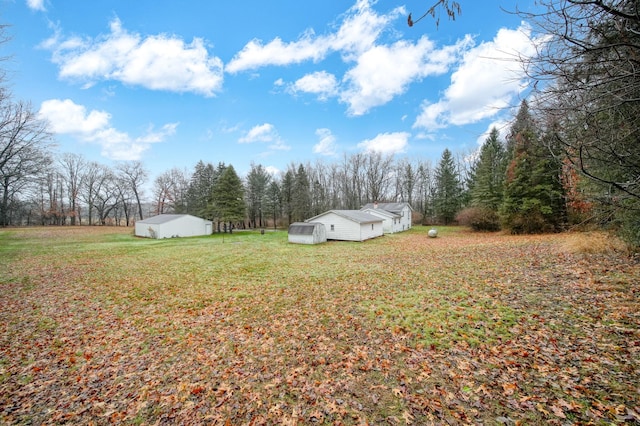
(171, 83)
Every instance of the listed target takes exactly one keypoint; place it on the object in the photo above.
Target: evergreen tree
(532, 200)
(487, 185)
(257, 182)
(273, 202)
(228, 198)
(286, 193)
(200, 189)
(301, 196)
(447, 199)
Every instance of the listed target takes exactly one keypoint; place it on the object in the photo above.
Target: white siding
(370, 230)
(178, 226)
(341, 228)
(405, 220)
(390, 221)
(146, 229)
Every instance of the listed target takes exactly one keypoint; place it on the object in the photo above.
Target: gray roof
(379, 212)
(302, 228)
(390, 207)
(162, 218)
(353, 215)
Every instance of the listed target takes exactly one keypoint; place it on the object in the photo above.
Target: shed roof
(353, 215)
(163, 218)
(302, 228)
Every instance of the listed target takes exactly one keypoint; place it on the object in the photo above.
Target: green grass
(463, 328)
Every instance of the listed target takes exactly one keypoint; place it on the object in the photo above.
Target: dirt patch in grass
(106, 328)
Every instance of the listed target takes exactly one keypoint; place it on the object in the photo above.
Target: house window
(332, 228)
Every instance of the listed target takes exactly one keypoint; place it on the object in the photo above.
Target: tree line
(571, 156)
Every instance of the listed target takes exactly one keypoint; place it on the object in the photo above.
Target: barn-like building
(173, 225)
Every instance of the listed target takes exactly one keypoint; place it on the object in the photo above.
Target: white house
(402, 210)
(390, 221)
(307, 233)
(349, 225)
(173, 225)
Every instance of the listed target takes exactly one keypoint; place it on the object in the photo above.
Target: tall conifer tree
(532, 200)
(447, 200)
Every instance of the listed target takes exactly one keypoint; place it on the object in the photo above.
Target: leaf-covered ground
(99, 327)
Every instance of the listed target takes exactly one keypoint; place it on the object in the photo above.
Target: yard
(97, 326)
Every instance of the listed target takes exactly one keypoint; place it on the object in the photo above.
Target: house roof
(380, 212)
(390, 207)
(163, 218)
(302, 228)
(352, 215)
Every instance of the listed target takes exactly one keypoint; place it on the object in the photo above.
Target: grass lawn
(97, 326)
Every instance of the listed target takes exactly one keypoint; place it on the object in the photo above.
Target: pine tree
(257, 182)
(533, 197)
(273, 202)
(301, 196)
(228, 198)
(447, 199)
(286, 193)
(200, 189)
(487, 186)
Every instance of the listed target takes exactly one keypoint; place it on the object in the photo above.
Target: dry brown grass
(595, 242)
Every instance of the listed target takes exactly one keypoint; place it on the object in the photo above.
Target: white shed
(403, 210)
(349, 225)
(173, 225)
(307, 233)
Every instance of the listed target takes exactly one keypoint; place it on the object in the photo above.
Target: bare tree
(451, 8)
(73, 166)
(99, 191)
(378, 173)
(134, 175)
(24, 144)
(170, 189)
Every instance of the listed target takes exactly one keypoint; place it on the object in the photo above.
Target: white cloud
(359, 30)
(272, 170)
(36, 5)
(255, 54)
(320, 83)
(158, 62)
(327, 143)
(383, 72)
(261, 133)
(387, 143)
(265, 133)
(376, 72)
(489, 78)
(502, 126)
(67, 117)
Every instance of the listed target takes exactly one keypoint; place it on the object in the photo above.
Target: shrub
(479, 219)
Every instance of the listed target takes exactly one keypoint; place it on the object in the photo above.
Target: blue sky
(171, 83)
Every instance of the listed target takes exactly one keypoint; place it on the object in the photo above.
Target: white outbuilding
(173, 225)
(349, 225)
(307, 233)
